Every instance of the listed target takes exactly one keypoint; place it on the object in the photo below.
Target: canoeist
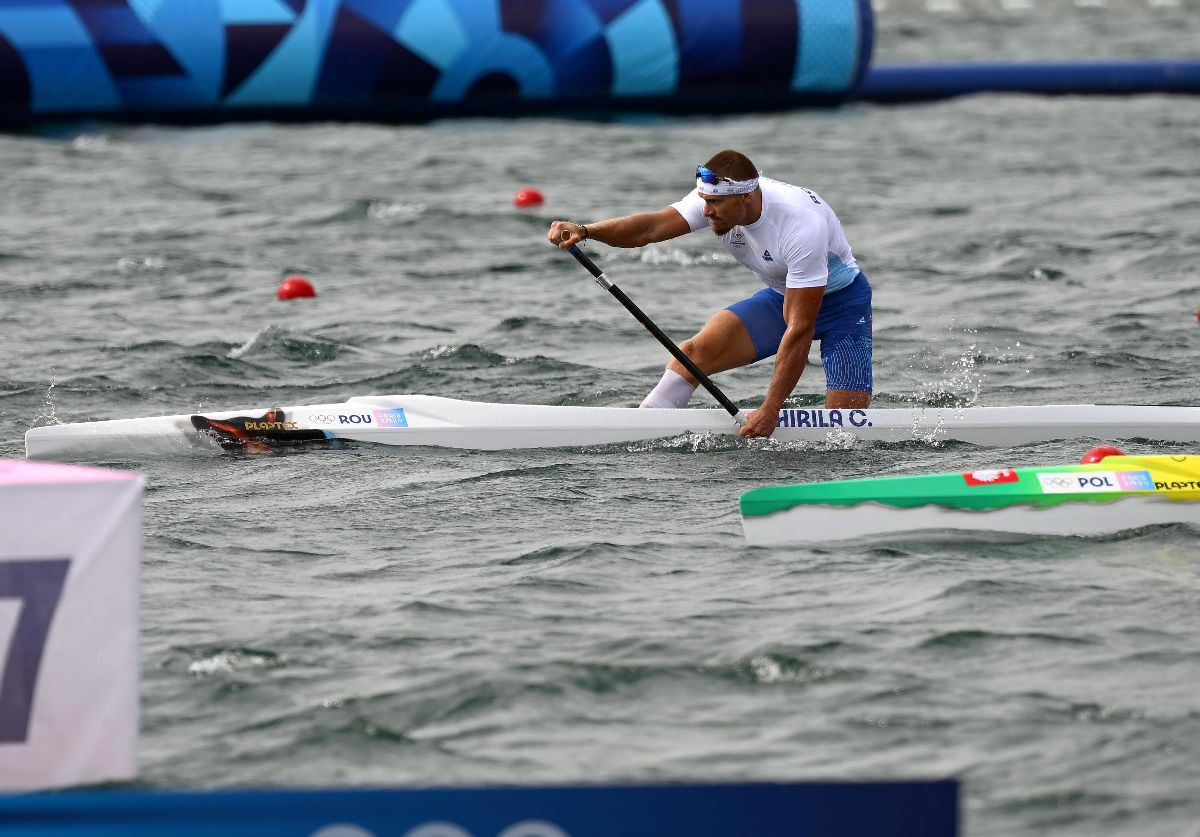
(788, 237)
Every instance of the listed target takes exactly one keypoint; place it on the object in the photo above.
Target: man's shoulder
(781, 186)
(789, 193)
(791, 206)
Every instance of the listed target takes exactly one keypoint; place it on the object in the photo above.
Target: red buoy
(1099, 453)
(295, 287)
(528, 197)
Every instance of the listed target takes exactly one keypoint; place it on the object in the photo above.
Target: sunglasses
(710, 177)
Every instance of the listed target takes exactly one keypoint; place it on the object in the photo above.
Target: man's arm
(800, 306)
(630, 231)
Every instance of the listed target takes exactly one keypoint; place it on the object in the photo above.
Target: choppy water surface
(430, 617)
(917, 31)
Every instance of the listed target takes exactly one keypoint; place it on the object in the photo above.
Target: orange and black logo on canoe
(272, 429)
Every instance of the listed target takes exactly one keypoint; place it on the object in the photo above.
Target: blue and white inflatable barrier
(922, 808)
(211, 60)
(922, 82)
(414, 60)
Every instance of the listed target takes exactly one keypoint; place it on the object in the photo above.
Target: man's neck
(755, 211)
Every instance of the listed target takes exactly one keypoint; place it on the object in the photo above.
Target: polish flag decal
(991, 477)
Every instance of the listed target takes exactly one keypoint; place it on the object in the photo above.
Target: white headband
(725, 186)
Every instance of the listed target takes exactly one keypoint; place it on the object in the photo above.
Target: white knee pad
(673, 390)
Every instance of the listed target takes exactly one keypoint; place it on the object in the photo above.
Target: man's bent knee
(689, 348)
(846, 399)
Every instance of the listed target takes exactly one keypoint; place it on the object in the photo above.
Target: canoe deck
(447, 422)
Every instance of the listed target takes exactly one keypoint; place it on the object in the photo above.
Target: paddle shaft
(668, 344)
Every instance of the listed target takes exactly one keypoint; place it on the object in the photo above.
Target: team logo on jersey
(767, 256)
(738, 239)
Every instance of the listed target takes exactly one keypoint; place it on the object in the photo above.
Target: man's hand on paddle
(566, 234)
(760, 422)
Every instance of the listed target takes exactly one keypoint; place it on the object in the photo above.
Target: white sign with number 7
(70, 549)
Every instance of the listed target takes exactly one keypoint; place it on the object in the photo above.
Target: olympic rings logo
(322, 419)
(1058, 482)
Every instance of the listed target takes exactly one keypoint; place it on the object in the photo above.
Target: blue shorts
(843, 327)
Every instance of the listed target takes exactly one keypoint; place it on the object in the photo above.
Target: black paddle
(670, 346)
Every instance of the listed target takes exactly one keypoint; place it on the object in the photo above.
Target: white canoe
(447, 422)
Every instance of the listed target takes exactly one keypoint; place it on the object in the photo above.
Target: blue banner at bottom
(821, 809)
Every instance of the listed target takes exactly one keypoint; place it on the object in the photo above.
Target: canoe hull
(820, 525)
(447, 422)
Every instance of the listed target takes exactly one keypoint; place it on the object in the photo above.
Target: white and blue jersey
(797, 241)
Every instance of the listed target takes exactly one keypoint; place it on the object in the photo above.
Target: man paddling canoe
(788, 237)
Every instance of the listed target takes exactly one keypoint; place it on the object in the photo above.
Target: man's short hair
(732, 164)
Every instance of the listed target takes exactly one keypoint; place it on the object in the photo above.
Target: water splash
(766, 668)
(836, 439)
(927, 432)
(439, 351)
(688, 442)
(281, 342)
(959, 385)
(677, 256)
(90, 142)
(471, 354)
(45, 414)
(955, 385)
(130, 264)
(259, 337)
(229, 661)
(391, 210)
